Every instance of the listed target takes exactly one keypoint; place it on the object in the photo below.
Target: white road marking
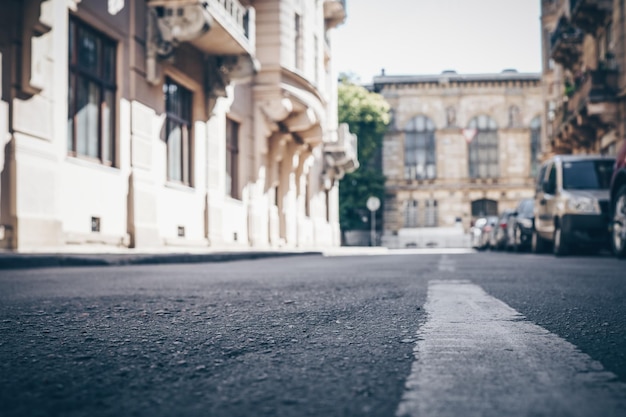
(476, 356)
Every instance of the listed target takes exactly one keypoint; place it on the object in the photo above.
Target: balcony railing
(589, 15)
(221, 27)
(566, 43)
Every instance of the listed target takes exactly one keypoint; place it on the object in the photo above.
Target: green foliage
(367, 114)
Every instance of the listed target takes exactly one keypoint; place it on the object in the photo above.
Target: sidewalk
(89, 256)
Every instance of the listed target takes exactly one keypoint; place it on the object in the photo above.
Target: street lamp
(373, 204)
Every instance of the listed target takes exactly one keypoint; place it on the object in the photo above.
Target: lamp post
(373, 204)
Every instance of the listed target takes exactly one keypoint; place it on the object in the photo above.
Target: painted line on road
(476, 356)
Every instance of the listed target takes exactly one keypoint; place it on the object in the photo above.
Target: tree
(367, 114)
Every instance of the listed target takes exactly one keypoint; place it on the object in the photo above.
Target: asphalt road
(411, 334)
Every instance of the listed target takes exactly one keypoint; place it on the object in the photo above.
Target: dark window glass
(484, 207)
(178, 132)
(91, 94)
(535, 144)
(232, 158)
(587, 175)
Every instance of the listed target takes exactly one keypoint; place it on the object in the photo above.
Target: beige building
(584, 56)
(169, 123)
(459, 147)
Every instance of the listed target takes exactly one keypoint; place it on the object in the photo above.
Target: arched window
(419, 149)
(411, 211)
(535, 144)
(483, 148)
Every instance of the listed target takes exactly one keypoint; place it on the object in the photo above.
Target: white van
(572, 203)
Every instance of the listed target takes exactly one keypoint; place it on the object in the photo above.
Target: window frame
(105, 82)
(179, 114)
(420, 145)
(535, 145)
(411, 213)
(431, 214)
(483, 149)
(233, 130)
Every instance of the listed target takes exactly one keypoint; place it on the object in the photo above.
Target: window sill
(180, 187)
(91, 163)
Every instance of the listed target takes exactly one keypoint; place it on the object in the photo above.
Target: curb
(20, 261)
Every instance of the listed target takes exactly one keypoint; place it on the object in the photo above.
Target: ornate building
(169, 123)
(459, 147)
(584, 56)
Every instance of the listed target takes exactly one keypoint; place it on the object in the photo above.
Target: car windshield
(587, 175)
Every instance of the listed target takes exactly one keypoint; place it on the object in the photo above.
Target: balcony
(341, 154)
(216, 27)
(587, 112)
(595, 96)
(589, 15)
(548, 7)
(566, 43)
(334, 12)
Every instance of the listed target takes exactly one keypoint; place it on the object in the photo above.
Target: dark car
(618, 204)
(520, 230)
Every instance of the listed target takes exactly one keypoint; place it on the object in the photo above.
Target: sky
(420, 37)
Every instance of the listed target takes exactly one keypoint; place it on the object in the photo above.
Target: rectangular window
(430, 218)
(411, 213)
(327, 198)
(316, 61)
(178, 132)
(91, 94)
(483, 155)
(307, 198)
(298, 47)
(232, 158)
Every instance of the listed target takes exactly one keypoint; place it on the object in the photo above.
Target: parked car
(520, 228)
(498, 237)
(618, 204)
(572, 203)
(481, 231)
(476, 231)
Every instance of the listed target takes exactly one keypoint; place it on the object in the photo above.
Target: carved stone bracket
(37, 21)
(221, 71)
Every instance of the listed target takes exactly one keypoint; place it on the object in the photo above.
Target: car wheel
(618, 235)
(538, 245)
(560, 247)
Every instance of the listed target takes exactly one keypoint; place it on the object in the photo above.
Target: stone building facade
(169, 123)
(584, 57)
(459, 147)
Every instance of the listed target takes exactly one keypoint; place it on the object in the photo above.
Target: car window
(551, 183)
(526, 208)
(587, 175)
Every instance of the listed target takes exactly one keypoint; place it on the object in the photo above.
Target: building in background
(584, 57)
(459, 147)
(169, 123)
